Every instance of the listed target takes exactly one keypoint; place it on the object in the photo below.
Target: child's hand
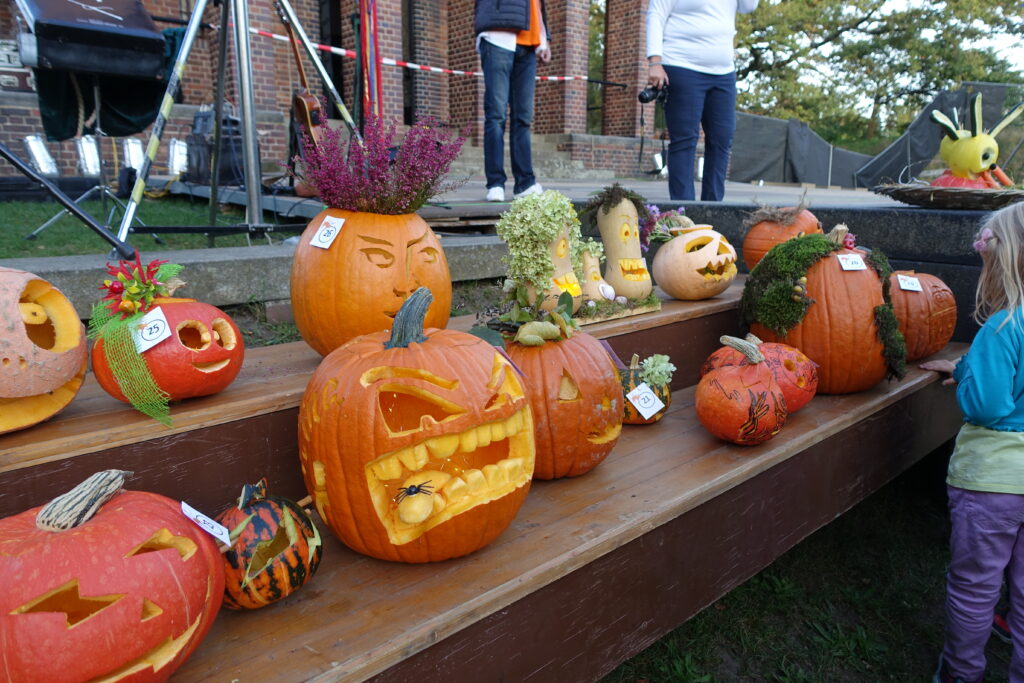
(946, 366)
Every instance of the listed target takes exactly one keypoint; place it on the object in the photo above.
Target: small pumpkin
(202, 356)
(927, 318)
(626, 269)
(42, 350)
(741, 404)
(698, 263)
(595, 288)
(416, 445)
(105, 584)
(275, 548)
(576, 400)
(771, 225)
(796, 374)
(656, 373)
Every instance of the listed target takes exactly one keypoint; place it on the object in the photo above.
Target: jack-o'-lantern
(352, 271)
(698, 263)
(926, 312)
(564, 278)
(576, 398)
(770, 225)
(275, 548)
(202, 356)
(625, 269)
(42, 350)
(118, 590)
(416, 445)
(595, 288)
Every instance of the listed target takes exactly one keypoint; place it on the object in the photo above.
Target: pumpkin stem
(634, 362)
(754, 339)
(252, 492)
(78, 505)
(837, 234)
(745, 347)
(408, 325)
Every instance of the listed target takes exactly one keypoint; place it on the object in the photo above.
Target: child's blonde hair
(1001, 245)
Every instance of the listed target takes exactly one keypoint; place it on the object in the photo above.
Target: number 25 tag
(151, 330)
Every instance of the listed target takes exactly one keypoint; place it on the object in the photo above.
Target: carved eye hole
(406, 408)
(429, 255)
(193, 335)
(504, 384)
(67, 599)
(698, 243)
(626, 232)
(568, 390)
(378, 257)
(223, 334)
(563, 248)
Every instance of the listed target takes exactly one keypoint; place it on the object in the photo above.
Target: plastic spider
(406, 491)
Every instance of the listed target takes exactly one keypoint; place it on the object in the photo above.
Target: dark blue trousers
(508, 84)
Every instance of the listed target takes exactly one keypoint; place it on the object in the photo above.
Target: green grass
(859, 600)
(70, 236)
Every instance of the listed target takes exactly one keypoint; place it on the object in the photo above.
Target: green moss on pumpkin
(604, 308)
(894, 347)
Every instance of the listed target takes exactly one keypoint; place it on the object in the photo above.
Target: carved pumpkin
(42, 350)
(770, 225)
(357, 284)
(275, 548)
(698, 263)
(928, 317)
(564, 278)
(796, 374)
(416, 445)
(838, 318)
(742, 404)
(631, 378)
(594, 286)
(202, 356)
(625, 269)
(576, 398)
(126, 594)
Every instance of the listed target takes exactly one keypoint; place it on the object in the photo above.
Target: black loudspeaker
(200, 148)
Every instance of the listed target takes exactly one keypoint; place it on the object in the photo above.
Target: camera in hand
(651, 93)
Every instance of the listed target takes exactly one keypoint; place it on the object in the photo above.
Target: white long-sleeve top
(695, 34)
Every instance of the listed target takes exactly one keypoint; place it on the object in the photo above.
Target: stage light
(177, 156)
(88, 155)
(39, 156)
(132, 148)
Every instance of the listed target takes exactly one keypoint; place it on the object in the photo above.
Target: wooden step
(220, 442)
(593, 569)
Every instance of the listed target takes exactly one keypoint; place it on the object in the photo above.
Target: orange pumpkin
(357, 284)
(741, 404)
(928, 317)
(796, 374)
(416, 445)
(42, 350)
(202, 356)
(576, 397)
(769, 226)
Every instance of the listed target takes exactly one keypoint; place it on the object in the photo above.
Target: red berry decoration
(276, 548)
(796, 374)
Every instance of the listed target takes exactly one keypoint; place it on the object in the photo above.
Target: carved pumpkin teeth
(212, 367)
(568, 283)
(634, 269)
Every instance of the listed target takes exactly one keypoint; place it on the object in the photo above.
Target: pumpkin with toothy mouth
(697, 263)
(626, 270)
(416, 445)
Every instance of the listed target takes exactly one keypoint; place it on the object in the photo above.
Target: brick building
(436, 33)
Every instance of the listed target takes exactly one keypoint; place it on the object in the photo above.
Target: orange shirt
(531, 36)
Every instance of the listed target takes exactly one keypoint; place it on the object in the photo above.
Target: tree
(860, 70)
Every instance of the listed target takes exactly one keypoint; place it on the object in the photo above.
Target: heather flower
(655, 226)
(377, 176)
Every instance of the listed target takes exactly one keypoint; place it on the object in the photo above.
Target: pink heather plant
(365, 178)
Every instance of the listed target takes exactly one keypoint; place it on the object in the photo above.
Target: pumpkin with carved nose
(698, 263)
(42, 350)
(416, 444)
(104, 584)
(626, 269)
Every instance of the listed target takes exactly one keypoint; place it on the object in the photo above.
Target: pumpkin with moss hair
(617, 212)
(843, 320)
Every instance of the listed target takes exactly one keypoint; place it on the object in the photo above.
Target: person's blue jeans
(509, 81)
(698, 99)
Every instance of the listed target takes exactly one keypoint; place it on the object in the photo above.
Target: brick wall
(625, 52)
(561, 106)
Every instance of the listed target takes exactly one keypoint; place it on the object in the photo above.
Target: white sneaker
(496, 194)
(532, 189)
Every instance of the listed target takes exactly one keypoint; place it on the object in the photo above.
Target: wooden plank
(361, 616)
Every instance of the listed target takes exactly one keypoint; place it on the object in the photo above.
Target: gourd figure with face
(595, 287)
(697, 263)
(626, 269)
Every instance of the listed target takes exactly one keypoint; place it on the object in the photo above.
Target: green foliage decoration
(657, 370)
(605, 308)
(596, 249)
(528, 227)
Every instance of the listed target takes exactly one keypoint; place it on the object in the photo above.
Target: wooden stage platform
(592, 570)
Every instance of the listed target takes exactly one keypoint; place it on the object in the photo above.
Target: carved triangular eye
(698, 243)
(568, 390)
(504, 384)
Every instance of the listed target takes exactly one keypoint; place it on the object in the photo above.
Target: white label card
(908, 282)
(327, 232)
(645, 400)
(851, 262)
(215, 529)
(151, 330)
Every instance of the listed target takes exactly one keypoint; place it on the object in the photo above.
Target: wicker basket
(935, 197)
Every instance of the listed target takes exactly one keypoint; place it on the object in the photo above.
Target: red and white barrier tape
(399, 63)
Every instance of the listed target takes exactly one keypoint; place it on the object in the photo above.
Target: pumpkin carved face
(357, 284)
(202, 356)
(626, 269)
(564, 278)
(418, 451)
(129, 593)
(42, 350)
(698, 263)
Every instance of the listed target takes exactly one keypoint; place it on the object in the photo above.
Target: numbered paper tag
(909, 282)
(215, 529)
(327, 232)
(152, 329)
(645, 401)
(851, 262)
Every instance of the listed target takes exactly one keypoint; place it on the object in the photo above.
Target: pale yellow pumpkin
(698, 263)
(564, 278)
(625, 269)
(595, 288)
